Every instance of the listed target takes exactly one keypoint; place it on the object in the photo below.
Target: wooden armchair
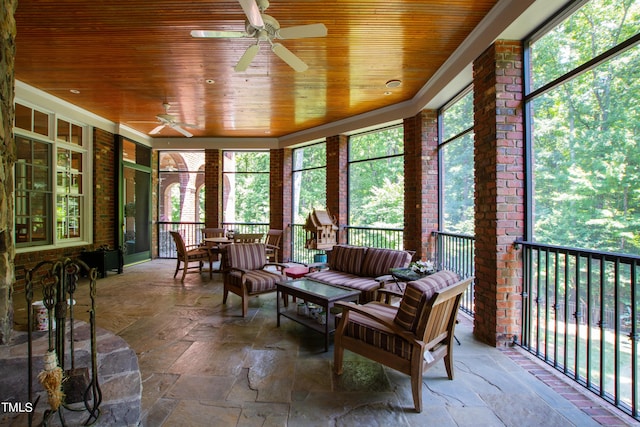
(272, 242)
(190, 254)
(409, 338)
(247, 274)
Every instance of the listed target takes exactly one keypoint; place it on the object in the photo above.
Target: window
(309, 180)
(181, 189)
(456, 165)
(245, 193)
(584, 78)
(376, 179)
(45, 152)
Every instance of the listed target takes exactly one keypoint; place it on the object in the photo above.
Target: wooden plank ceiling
(127, 57)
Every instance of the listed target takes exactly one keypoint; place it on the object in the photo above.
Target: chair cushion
(248, 256)
(416, 295)
(375, 334)
(377, 262)
(347, 259)
(257, 281)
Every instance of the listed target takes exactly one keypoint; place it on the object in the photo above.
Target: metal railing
(456, 252)
(580, 314)
(299, 253)
(387, 238)
(192, 234)
(246, 227)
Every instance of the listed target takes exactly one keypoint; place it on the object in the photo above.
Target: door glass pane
(137, 192)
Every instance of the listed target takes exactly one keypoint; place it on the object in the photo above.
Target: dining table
(218, 245)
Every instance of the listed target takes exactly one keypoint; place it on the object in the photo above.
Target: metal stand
(58, 281)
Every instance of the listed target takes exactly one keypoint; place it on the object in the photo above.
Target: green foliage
(586, 133)
(309, 180)
(376, 179)
(457, 167)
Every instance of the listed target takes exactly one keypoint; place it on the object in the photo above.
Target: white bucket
(41, 317)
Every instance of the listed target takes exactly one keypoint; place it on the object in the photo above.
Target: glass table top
(318, 288)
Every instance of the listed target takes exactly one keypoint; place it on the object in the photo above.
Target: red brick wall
(499, 198)
(212, 177)
(104, 209)
(421, 182)
(337, 182)
(280, 197)
(105, 204)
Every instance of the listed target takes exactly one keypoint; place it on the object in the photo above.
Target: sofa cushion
(366, 285)
(347, 259)
(377, 261)
(249, 256)
(332, 277)
(418, 293)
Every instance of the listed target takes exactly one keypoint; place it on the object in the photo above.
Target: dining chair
(188, 254)
(248, 238)
(272, 242)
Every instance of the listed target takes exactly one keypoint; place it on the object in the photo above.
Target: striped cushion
(347, 259)
(248, 256)
(375, 334)
(367, 286)
(377, 262)
(257, 281)
(331, 277)
(416, 295)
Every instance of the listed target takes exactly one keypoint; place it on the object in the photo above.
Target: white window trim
(87, 178)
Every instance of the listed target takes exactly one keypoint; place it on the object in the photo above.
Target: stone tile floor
(202, 364)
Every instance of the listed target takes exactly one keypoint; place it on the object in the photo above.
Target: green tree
(586, 153)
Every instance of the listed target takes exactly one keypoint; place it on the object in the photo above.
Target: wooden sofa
(361, 267)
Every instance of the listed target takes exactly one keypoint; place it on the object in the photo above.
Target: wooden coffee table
(318, 293)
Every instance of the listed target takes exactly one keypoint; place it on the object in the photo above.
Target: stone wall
(7, 159)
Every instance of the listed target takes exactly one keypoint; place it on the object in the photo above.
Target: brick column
(337, 182)
(421, 182)
(212, 178)
(280, 197)
(105, 182)
(499, 191)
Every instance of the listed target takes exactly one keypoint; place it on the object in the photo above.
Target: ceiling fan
(265, 28)
(170, 120)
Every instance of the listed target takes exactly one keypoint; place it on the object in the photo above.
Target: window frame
(85, 194)
(442, 143)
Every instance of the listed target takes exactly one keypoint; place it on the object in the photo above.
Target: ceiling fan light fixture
(393, 83)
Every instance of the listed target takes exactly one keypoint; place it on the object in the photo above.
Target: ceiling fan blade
(187, 125)
(247, 57)
(218, 34)
(182, 131)
(287, 56)
(156, 130)
(250, 8)
(302, 31)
